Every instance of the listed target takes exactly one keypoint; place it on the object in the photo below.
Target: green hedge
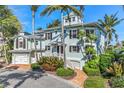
(94, 82)
(91, 68)
(65, 72)
(91, 71)
(117, 82)
(35, 66)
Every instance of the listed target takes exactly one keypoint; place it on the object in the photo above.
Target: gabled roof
(29, 36)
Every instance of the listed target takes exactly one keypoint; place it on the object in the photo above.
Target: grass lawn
(95, 82)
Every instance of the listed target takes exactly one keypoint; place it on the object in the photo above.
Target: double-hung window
(73, 34)
(89, 31)
(74, 49)
(48, 36)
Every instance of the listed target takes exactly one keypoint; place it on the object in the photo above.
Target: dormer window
(20, 43)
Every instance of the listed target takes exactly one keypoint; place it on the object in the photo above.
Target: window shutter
(78, 48)
(51, 36)
(70, 34)
(77, 33)
(45, 47)
(69, 48)
(16, 42)
(23, 43)
(45, 36)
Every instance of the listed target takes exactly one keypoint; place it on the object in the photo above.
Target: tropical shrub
(94, 82)
(117, 82)
(105, 62)
(93, 63)
(115, 70)
(90, 52)
(65, 72)
(35, 66)
(51, 63)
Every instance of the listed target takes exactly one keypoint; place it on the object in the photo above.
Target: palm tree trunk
(33, 28)
(5, 53)
(40, 45)
(63, 42)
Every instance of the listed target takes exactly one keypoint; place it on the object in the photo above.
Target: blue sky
(92, 13)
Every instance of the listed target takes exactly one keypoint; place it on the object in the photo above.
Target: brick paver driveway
(21, 79)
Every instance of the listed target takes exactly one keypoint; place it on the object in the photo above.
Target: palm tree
(9, 26)
(55, 23)
(34, 9)
(81, 9)
(108, 23)
(62, 8)
(91, 38)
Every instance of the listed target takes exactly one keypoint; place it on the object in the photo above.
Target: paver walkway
(79, 78)
(23, 67)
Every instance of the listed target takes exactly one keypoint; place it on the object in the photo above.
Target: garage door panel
(21, 59)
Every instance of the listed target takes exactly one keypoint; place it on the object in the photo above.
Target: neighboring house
(51, 43)
(23, 52)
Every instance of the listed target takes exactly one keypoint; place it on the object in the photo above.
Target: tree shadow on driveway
(16, 78)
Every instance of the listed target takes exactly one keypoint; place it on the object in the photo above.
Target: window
(36, 42)
(73, 34)
(47, 48)
(73, 19)
(33, 54)
(55, 32)
(66, 20)
(89, 31)
(48, 36)
(74, 49)
(20, 44)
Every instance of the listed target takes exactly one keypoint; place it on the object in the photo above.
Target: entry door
(60, 49)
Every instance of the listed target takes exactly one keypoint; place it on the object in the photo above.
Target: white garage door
(21, 59)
